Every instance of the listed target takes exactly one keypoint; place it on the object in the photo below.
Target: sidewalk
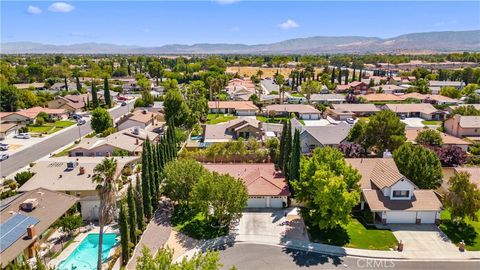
(155, 235)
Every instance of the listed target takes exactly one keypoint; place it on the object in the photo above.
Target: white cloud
(61, 7)
(34, 10)
(226, 2)
(288, 24)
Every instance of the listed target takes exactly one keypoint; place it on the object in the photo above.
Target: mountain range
(446, 41)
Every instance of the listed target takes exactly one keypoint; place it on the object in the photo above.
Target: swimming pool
(84, 257)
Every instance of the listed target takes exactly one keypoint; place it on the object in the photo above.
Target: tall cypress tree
(287, 150)
(132, 215)
(79, 86)
(66, 83)
(346, 76)
(124, 239)
(294, 172)
(147, 199)
(360, 75)
(106, 93)
(94, 96)
(339, 76)
(332, 78)
(151, 176)
(139, 204)
(353, 75)
(282, 145)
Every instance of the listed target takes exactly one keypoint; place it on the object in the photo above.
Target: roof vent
(29, 205)
(71, 165)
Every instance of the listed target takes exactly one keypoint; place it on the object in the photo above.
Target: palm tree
(104, 176)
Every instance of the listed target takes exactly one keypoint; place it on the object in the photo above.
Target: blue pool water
(84, 257)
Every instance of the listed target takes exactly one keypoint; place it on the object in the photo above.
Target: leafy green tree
(463, 198)
(70, 223)
(106, 93)
(273, 149)
(294, 172)
(155, 70)
(179, 178)
(9, 94)
(101, 120)
(383, 131)
(328, 188)
(147, 98)
(163, 260)
(466, 110)
(451, 92)
(176, 109)
(357, 132)
(124, 238)
(132, 214)
(419, 164)
(429, 137)
(221, 193)
(104, 177)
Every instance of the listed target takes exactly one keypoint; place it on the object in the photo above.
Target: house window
(401, 193)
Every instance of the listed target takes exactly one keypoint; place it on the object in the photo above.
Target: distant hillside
(431, 41)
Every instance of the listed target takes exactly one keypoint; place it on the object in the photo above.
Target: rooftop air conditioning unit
(71, 165)
(29, 205)
(136, 131)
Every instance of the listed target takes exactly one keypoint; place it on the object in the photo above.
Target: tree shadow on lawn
(306, 258)
(337, 236)
(192, 223)
(458, 231)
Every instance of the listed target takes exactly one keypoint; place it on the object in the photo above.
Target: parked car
(22, 136)
(75, 116)
(81, 122)
(121, 98)
(124, 104)
(351, 121)
(4, 157)
(4, 147)
(402, 116)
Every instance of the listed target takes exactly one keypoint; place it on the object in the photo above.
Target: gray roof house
(327, 98)
(312, 137)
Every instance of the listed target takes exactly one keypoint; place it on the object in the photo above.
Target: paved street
(26, 156)
(253, 256)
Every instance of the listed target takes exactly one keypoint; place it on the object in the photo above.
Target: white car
(22, 136)
(3, 157)
(4, 147)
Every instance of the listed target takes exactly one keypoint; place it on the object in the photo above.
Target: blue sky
(155, 23)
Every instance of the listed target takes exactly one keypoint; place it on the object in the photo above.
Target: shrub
(23, 177)
(108, 131)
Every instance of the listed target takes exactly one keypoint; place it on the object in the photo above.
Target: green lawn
(219, 118)
(432, 123)
(297, 95)
(275, 120)
(356, 235)
(194, 224)
(64, 152)
(50, 128)
(468, 231)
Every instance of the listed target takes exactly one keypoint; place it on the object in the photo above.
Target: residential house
(305, 112)
(142, 119)
(463, 126)
(243, 127)
(8, 128)
(26, 218)
(73, 176)
(423, 110)
(240, 89)
(436, 86)
(474, 174)
(327, 99)
(398, 80)
(266, 187)
(355, 87)
(448, 140)
(60, 86)
(35, 86)
(240, 108)
(344, 111)
(389, 89)
(372, 98)
(451, 108)
(391, 197)
(28, 116)
(430, 98)
(312, 137)
(128, 140)
(70, 103)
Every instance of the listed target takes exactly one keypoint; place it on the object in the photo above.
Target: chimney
(108, 154)
(136, 141)
(31, 232)
(82, 170)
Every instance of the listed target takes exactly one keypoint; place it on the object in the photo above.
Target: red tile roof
(261, 179)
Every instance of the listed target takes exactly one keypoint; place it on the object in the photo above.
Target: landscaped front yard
(50, 128)
(356, 235)
(469, 231)
(431, 123)
(275, 120)
(214, 118)
(194, 224)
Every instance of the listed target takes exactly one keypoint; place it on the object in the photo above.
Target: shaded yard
(219, 118)
(275, 120)
(50, 128)
(355, 235)
(468, 231)
(194, 224)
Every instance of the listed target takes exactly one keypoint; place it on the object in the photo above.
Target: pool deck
(78, 239)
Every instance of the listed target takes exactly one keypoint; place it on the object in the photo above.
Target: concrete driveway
(413, 122)
(419, 239)
(270, 226)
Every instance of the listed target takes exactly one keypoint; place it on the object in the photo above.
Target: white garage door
(276, 202)
(427, 217)
(257, 202)
(401, 217)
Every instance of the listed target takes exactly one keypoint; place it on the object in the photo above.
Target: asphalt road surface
(24, 157)
(253, 256)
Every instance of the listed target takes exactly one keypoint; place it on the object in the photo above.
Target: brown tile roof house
(71, 103)
(266, 187)
(305, 112)
(474, 174)
(463, 126)
(51, 206)
(29, 115)
(389, 88)
(142, 119)
(380, 97)
(8, 128)
(242, 127)
(234, 107)
(429, 98)
(411, 134)
(423, 110)
(343, 111)
(391, 196)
